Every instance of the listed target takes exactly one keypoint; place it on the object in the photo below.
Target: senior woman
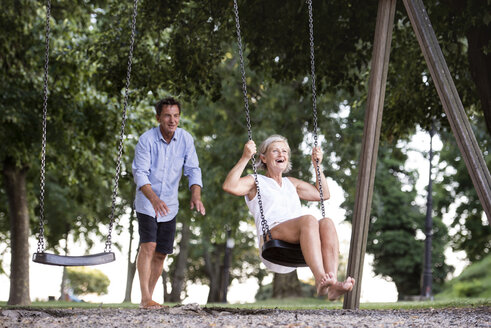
(283, 211)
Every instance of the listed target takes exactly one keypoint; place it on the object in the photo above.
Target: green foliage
(274, 109)
(82, 123)
(395, 219)
(344, 34)
(468, 288)
(176, 49)
(472, 232)
(184, 49)
(84, 281)
(474, 281)
(21, 83)
(394, 224)
(265, 292)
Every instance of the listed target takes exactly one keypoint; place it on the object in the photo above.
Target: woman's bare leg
(330, 257)
(305, 230)
(330, 246)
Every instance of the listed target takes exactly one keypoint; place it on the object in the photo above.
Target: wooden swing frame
(454, 110)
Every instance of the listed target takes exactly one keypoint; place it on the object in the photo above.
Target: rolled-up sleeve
(191, 166)
(141, 163)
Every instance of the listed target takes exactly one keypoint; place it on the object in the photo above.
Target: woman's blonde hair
(263, 148)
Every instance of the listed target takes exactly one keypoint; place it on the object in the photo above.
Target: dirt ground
(194, 316)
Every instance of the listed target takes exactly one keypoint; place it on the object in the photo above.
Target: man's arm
(141, 172)
(193, 172)
(196, 199)
(158, 204)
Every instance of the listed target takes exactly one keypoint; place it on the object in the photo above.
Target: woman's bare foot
(324, 284)
(339, 288)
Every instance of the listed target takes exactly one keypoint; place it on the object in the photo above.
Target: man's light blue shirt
(161, 165)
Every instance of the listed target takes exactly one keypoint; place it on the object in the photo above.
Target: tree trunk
(130, 277)
(225, 279)
(478, 38)
(63, 287)
(213, 271)
(15, 186)
(480, 66)
(165, 278)
(286, 285)
(178, 279)
(131, 271)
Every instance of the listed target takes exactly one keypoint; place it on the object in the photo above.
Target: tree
(395, 220)
(463, 32)
(15, 151)
(274, 109)
(454, 187)
(131, 271)
(81, 128)
(183, 48)
(186, 30)
(395, 223)
(472, 18)
(343, 35)
(286, 285)
(84, 281)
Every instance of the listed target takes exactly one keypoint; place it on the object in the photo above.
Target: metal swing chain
(123, 123)
(41, 245)
(314, 102)
(264, 223)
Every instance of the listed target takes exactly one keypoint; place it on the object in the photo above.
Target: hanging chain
(264, 223)
(123, 123)
(41, 245)
(314, 103)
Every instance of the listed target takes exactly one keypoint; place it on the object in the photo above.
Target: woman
(282, 210)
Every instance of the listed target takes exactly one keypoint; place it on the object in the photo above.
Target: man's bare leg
(156, 267)
(305, 230)
(144, 264)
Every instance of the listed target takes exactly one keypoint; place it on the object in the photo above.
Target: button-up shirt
(161, 165)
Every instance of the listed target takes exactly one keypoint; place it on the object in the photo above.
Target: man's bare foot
(150, 305)
(339, 288)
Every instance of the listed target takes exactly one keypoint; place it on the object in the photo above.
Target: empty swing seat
(65, 260)
(283, 253)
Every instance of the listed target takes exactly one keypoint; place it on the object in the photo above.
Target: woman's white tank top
(280, 203)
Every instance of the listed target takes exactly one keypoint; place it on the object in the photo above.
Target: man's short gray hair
(263, 148)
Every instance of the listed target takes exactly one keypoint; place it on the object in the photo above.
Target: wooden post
(368, 157)
(451, 102)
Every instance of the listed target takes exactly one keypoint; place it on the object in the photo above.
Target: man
(161, 155)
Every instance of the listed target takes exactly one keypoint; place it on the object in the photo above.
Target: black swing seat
(65, 260)
(283, 253)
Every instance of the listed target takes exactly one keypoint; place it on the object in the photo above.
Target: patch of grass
(318, 304)
(437, 304)
(283, 304)
(76, 305)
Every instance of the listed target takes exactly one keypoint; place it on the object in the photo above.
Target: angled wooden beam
(370, 143)
(451, 102)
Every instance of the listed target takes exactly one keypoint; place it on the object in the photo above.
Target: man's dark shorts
(162, 233)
